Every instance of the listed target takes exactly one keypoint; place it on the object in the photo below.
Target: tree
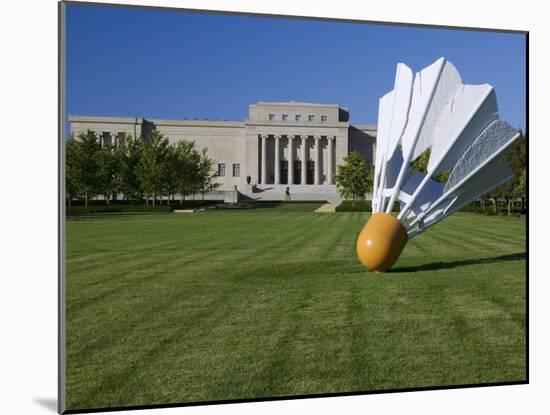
(516, 158)
(352, 178)
(129, 155)
(420, 165)
(505, 191)
(72, 172)
(206, 179)
(187, 160)
(108, 172)
(151, 167)
(169, 173)
(522, 189)
(87, 153)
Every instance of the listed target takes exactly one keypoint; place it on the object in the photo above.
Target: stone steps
(327, 208)
(268, 192)
(296, 188)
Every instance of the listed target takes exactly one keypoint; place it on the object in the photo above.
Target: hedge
(360, 206)
(366, 206)
(291, 206)
(82, 210)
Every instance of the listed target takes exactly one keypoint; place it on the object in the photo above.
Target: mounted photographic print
(260, 207)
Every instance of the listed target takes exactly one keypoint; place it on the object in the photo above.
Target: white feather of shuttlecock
(460, 126)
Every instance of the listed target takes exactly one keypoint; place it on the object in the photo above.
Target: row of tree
(355, 178)
(149, 169)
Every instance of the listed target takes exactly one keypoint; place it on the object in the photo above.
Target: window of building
(105, 138)
(285, 117)
(221, 169)
(271, 117)
(323, 118)
(298, 117)
(310, 117)
(236, 170)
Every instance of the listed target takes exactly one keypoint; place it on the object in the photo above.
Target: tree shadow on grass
(434, 266)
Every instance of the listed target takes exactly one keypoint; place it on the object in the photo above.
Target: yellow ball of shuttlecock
(380, 242)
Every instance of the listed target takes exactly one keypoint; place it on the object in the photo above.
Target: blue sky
(174, 64)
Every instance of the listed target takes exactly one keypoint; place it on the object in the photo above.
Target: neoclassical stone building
(281, 144)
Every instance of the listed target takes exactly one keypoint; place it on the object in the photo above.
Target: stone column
(264, 159)
(277, 159)
(317, 170)
(290, 159)
(330, 157)
(304, 161)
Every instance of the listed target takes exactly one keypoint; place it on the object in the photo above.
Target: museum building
(281, 145)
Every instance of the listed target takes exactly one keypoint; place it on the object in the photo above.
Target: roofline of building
(365, 127)
(140, 120)
(296, 104)
(199, 122)
(339, 124)
(98, 119)
(215, 123)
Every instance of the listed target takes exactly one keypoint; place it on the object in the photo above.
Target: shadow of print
(48, 403)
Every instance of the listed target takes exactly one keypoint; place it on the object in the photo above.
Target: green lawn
(172, 308)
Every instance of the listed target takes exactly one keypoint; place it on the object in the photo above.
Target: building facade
(283, 145)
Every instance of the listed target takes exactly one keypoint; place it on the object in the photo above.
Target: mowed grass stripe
(457, 244)
(505, 227)
(208, 240)
(487, 231)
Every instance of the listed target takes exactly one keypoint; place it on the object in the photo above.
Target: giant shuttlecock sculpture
(459, 125)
